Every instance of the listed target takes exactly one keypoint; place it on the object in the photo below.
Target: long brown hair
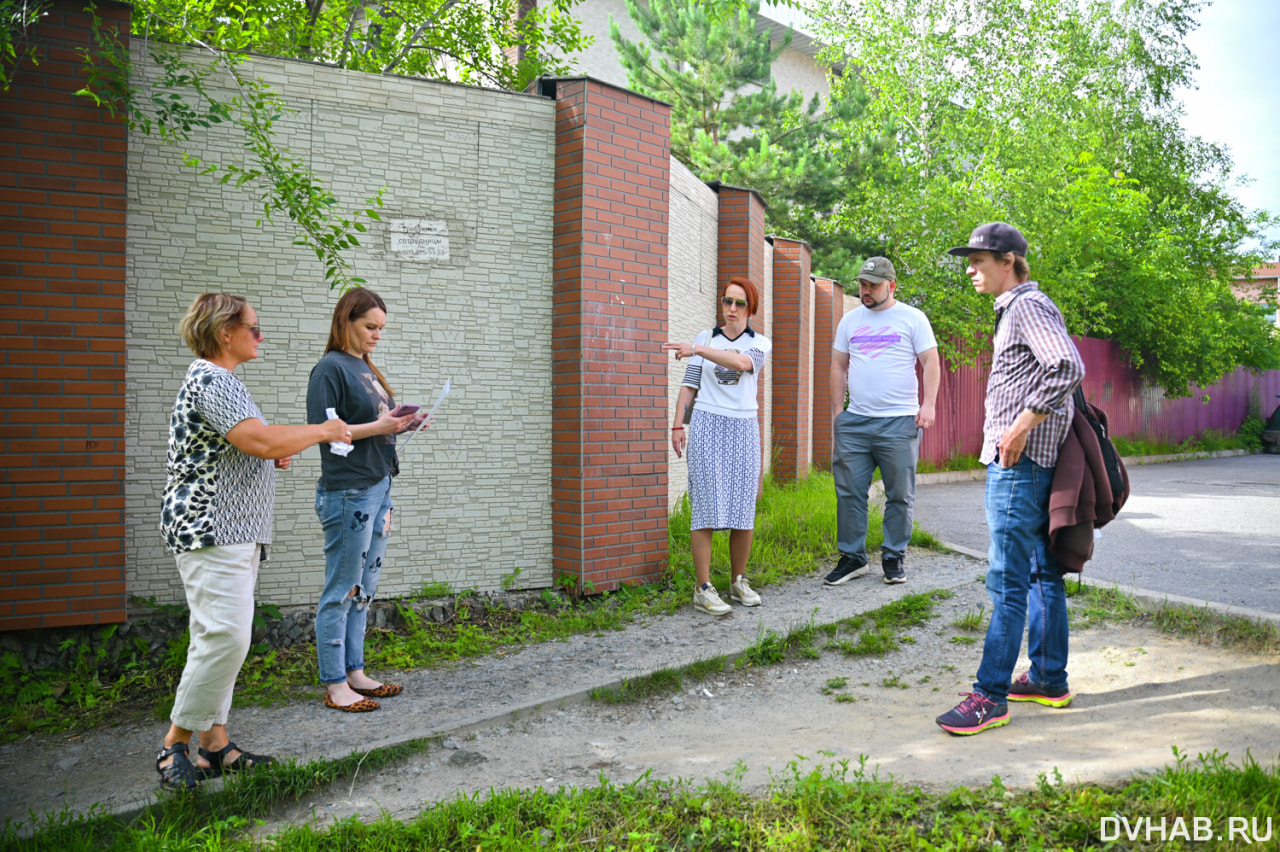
(354, 304)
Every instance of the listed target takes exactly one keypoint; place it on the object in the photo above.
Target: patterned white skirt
(724, 471)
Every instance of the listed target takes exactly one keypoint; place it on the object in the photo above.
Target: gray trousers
(859, 446)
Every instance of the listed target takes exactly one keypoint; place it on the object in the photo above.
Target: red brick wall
(741, 240)
(828, 310)
(62, 336)
(792, 351)
(609, 443)
(740, 251)
(516, 53)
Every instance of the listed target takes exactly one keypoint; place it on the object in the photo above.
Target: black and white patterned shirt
(214, 495)
(1034, 365)
(729, 393)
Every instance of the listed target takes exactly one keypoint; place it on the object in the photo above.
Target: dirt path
(521, 719)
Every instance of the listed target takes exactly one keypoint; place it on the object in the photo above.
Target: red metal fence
(1135, 408)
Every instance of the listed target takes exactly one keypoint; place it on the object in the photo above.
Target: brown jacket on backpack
(1080, 499)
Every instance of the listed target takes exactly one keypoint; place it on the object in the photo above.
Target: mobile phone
(402, 410)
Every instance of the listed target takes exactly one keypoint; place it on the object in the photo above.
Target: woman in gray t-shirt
(353, 496)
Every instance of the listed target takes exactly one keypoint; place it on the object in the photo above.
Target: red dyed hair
(748, 287)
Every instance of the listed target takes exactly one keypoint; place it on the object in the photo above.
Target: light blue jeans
(355, 540)
(1022, 575)
(860, 445)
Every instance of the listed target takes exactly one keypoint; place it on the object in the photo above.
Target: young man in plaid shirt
(1034, 370)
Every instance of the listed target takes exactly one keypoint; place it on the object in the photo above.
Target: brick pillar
(792, 359)
(741, 244)
(741, 252)
(62, 333)
(828, 310)
(609, 447)
(515, 53)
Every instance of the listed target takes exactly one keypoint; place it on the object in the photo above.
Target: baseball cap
(994, 236)
(877, 270)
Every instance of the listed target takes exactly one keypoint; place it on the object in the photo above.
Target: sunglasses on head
(729, 302)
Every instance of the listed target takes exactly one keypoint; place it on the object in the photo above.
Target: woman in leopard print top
(216, 521)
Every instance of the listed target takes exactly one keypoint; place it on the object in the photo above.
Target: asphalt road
(1208, 529)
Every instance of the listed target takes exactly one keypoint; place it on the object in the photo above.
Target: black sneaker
(1024, 690)
(893, 572)
(849, 568)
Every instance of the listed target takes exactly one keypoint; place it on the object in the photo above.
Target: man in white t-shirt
(877, 347)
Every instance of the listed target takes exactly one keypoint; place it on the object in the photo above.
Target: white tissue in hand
(340, 448)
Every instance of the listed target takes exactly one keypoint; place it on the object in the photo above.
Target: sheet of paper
(443, 393)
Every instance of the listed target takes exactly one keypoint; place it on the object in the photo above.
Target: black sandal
(218, 764)
(179, 775)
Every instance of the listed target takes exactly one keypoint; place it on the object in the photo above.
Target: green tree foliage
(709, 52)
(730, 123)
(16, 19)
(1059, 116)
(482, 42)
(477, 41)
(185, 101)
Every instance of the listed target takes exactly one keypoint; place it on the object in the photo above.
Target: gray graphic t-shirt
(215, 494)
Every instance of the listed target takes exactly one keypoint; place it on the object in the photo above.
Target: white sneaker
(741, 592)
(708, 601)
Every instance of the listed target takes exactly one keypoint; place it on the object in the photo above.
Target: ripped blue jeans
(355, 540)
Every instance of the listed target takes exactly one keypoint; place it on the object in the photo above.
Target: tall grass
(808, 805)
(1208, 441)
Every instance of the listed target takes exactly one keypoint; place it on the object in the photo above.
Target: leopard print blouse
(215, 494)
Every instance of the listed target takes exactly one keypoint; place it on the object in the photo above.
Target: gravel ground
(523, 719)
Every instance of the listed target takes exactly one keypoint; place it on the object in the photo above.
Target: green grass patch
(807, 805)
(972, 620)
(657, 684)
(435, 590)
(955, 461)
(1209, 441)
(1097, 606)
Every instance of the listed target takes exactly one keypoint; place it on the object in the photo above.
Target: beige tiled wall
(473, 499)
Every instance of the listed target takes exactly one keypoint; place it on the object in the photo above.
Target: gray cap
(877, 270)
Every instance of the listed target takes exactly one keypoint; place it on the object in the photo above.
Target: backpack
(1116, 475)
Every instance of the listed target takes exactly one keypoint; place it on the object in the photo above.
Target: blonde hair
(354, 304)
(207, 318)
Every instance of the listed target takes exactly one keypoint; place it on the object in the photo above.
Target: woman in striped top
(723, 439)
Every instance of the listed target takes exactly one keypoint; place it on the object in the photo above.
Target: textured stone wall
(692, 298)
(473, 500)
